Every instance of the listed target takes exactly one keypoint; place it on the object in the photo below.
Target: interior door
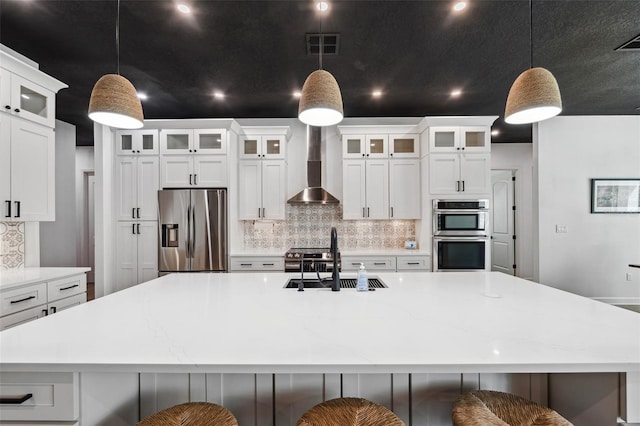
(502, 226)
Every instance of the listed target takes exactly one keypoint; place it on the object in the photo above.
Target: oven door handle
(461, 238)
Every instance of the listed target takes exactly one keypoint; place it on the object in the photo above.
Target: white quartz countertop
(241, 322)
(17, 277)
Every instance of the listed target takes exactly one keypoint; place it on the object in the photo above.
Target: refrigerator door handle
(188, 245)
(193, 234)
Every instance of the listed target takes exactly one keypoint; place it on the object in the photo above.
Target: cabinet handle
(462, 186)
(263, 213)
(458, 148)
(195, 179)
(190, 177)
(363, 213)
(268, 264)
(133, 228)
(70, 287)
(391, 154)
(138, 229)
(17, 110)
(133, 213)
(368, 215)
(8, 208)
(355, 263)
(463, 148)
(23, 300)
(7, 107)
(379, 263)
(53, 309)
(245, 264)
(413, 263)
(258, 211)
(138, 211)
(17, 209)
(391, 211)
(45, 312)
(457, 186)
(15, 399)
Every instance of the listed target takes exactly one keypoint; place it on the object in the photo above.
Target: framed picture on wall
(615, 195)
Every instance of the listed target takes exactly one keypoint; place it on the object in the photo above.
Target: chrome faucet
(335, 274)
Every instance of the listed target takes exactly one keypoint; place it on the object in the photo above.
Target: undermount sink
(326, 283)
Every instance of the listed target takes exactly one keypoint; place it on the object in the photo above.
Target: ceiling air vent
(633, 44)
(330, 43)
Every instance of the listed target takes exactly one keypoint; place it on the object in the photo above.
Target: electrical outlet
(629, 276)
(561, 229)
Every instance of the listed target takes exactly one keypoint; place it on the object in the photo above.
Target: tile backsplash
(11, 245)
(309, 225)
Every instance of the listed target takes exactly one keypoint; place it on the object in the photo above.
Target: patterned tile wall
(11, 245)
(310, 226)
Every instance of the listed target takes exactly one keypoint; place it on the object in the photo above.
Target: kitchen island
(228, 332)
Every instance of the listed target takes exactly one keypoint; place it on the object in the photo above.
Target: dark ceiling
(255, 52)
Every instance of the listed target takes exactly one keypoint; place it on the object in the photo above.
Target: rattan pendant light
(320, 99)
(114, 101)
(534, 95)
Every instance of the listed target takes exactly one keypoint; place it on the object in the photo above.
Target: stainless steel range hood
(314, 193)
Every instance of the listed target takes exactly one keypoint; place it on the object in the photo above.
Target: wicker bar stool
(349, 412)
(492, 408)
(191, 414)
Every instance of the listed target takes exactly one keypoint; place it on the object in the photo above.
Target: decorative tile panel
(309, 225)
(11, 245)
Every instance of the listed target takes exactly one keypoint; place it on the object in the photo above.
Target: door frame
(517, 193)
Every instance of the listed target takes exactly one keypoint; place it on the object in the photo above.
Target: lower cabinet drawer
(66, 287)
(275, 264)
(55, 397)
(21, 317)
(378, 263)
(22, 298)
(414, 263)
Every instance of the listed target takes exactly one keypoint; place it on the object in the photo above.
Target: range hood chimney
(314, 193)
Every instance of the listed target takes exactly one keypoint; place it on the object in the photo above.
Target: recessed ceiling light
(495, 132)
(459, 6)
(455, 93)
(218, 94)
(297, 94)
(376, 93)
(183, 8)
(322, 6)
(142, 96)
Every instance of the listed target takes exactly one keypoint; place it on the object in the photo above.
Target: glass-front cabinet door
(404, 145)
(210, 141)
(377, 146)
(31, 101)
(444, 139)
(353, 146)
(273, 147)
(176, 141)
(255, 147)
(460, 139)
(132, 142)
(475, 139)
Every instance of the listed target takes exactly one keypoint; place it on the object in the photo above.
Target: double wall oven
(460, 235)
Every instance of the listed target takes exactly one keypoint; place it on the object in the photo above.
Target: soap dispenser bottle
(363, 281)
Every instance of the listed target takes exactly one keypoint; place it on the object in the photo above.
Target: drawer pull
(70, 287)
(413, 263)
(15, 399)
(379, 263)
(246, 264)
(355, 263)
(267, 264)
(23, 300)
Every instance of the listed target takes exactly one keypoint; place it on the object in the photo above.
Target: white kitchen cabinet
(365, 189)
(193, 141)
(24, 303)
(365, 146)
(404, 189)
(256, 263)
(459, 139)
(193, 171)
(27, 170)
(266, 147)
(137, 184)
(55, 398)
(371, 263)
(404, 145)
(26, 99)
(262, 189)
(141, 142)
(413, 263)
(136, 253)
(459, 173)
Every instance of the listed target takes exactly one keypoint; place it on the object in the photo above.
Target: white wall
(519, 157)
(58, 239)
(592, 257)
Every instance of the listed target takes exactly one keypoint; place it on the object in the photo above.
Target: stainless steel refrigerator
(192, 230)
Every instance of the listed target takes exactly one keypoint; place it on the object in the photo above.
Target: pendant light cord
(118, 39)
(530, 33)
(321, 46)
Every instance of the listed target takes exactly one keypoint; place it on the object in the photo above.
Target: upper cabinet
(27, 92)
(255, 147)
(460, 139)
(193, 141)
(365, 146)
(405, 145)
(134, 142)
